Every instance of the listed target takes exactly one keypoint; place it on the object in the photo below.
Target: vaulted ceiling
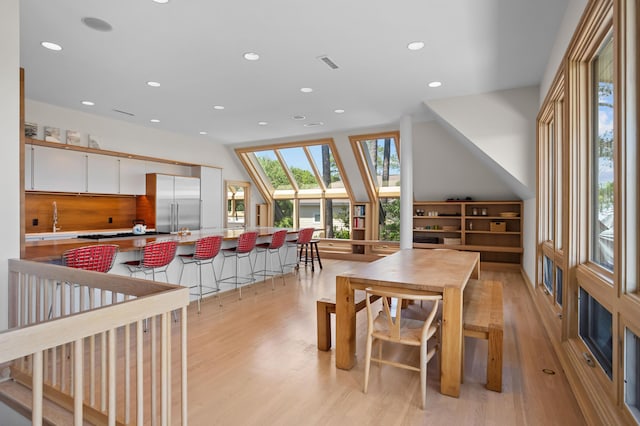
(195, 49)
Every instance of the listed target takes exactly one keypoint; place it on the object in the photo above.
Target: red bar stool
(207, 248)
(246, 244)
(156, 257)
(308, 244)
(98, 258)
(273, 247)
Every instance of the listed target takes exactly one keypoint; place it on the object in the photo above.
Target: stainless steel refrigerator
(177, 201)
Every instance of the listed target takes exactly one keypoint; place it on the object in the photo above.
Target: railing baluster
(112, 377)
(127, 371)
(164, 367)
(103, 371)
(103, 359)
(183, 352)
(78, 392)
(154, 382)
(92, 357)
(36, 413)
(139, 373)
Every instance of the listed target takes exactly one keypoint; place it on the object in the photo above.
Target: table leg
(451, 358)
(345, 324)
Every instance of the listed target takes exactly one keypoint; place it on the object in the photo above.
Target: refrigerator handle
(171, 219)
(177, 217)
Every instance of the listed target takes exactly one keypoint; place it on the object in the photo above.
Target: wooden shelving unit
(493, 228)
(360, 226)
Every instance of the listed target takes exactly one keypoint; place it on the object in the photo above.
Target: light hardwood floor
(255, 362)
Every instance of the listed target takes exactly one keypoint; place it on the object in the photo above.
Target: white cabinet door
(28, 167)
(211, 189)
(59, 170)
(103, 174)
(132, 176)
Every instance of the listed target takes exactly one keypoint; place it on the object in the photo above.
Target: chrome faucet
(55, 217)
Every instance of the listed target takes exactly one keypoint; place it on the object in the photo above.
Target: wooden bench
(483, 319)
(324, 308)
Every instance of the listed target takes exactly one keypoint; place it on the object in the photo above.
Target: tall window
(379, 160)
(302, 181)
(550, 195)
(602, 175)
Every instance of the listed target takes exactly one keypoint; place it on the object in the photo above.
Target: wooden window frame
(270, 194)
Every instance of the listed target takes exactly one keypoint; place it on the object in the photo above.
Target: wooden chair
(206, 250)
(269, 249)
(246, 245)
(389, 326)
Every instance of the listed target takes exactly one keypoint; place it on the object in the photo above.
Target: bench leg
(324, 326)
(494, 360)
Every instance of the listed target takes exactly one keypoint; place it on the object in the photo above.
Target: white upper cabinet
(59, 170)
(132, 176)
(103, 174)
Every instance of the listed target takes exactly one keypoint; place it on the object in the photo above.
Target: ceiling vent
(329, 62)
(97, 24)
(125, 112)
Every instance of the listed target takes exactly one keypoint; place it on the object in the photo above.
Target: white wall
(117, 135)
(570, 20)
(443, 168)
(10, 137)
(502, 126)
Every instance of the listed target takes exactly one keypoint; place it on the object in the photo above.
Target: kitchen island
(52, 249)
(130, 248)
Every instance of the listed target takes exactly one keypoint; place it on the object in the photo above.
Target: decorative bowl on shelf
(509, 214)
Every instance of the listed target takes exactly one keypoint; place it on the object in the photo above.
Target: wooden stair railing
(93, 357)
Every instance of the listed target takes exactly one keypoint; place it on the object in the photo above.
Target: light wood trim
(268, 193)
(22, 168)
(247, 200)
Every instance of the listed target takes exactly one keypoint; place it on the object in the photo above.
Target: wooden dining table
(427, 271)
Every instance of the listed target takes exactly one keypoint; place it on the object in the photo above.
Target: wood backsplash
(78, 211)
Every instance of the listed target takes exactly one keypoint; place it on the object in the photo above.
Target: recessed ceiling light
(306, 90)
(218, 107)
(435, 84)
(203, 133)
(153, 84)
(338, 111)
(161, 1)
(97, 24)
(154, 120)
(314, 124)
(262, 123)
(51, 46)
(88, 103)
(251, 56)
(415, 45)
(299, 117)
